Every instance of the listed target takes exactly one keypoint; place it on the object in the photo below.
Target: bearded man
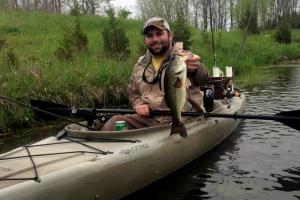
(145, 90)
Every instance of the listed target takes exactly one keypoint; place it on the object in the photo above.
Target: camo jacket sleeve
(200, 76)
(134, 94)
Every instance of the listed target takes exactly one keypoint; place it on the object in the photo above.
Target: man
(145, 90)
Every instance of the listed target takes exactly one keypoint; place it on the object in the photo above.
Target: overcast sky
(124, 3)
(128, 4)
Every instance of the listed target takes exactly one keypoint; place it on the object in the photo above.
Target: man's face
(157, 41)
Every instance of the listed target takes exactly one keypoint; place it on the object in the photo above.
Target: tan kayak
(108, 165)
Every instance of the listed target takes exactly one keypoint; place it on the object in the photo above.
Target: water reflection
(28, 136)
(290, 181)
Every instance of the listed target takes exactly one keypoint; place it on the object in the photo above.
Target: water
(29, 136)
(260, 160)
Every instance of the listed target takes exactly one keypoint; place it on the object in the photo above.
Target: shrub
(116, 43)
(123, 13)
(283, 33)
(253, 25)
(73, 42)
(75, 10)
(141, 49)
(181, 31)
(66, 50)
(80, 38)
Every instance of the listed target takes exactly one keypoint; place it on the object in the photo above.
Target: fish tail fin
(179, 129)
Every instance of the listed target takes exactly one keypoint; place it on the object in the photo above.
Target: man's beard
(165, 47)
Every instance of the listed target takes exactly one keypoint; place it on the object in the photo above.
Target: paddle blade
(289, 118)
(55, 108)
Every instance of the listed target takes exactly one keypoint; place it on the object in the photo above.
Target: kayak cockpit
(77, 131)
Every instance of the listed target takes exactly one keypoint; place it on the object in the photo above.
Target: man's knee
(117, 118)
(110, 124)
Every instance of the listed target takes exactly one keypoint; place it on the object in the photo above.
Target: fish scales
(175, 92)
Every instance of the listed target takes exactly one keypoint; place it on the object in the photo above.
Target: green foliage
(123, 13)
(11, 59)
(253, 26)
(283, 33)
(181, 30)
(243, 10)
(116, 43)
(75, 10)
(295, 20)
(66, 49)
(4, 4)
(3, 43)
(141, 47)
(73, 42)
(80, 38)
(205, 36)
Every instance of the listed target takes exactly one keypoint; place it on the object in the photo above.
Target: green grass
(35, 73)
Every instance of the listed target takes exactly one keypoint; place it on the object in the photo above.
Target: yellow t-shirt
(156, 62)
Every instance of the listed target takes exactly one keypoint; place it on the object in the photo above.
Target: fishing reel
(90, 115)
(208, 99)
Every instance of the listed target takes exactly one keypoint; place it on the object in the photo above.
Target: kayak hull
(128, 167)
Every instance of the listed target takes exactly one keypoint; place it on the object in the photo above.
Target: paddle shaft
(44, 111)
(195, 114)
(289, 118)
(287, 115)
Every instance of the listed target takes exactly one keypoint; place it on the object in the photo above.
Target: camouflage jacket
(146, 85)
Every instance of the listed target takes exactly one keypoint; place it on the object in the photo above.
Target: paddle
(289, 118)
(39, 110)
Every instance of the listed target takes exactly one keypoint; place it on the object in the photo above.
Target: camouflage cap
(157, 22)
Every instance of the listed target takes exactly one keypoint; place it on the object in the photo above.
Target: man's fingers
(193, 63)
(143, 110)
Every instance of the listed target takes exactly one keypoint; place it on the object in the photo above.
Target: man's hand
(192, 63)
(143, 110)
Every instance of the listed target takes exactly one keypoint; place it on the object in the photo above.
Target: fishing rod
(244, 38)
(288, 118)
(212, 34)
(45, 112)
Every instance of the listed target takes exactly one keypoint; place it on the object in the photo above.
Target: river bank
(30, 70)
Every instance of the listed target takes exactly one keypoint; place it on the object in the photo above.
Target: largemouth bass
(175, 92)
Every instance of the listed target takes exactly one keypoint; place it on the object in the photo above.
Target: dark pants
(133, 121)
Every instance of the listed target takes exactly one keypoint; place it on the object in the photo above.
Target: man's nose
(155, 38)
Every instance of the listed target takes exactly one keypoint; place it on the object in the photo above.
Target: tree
(283, 33)
(75, 9)
(73, 42)
(66, 49)
(116, 43)
(123, 13)
(249, 15)
(181, 30)
(166, 9)
(80, 38)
